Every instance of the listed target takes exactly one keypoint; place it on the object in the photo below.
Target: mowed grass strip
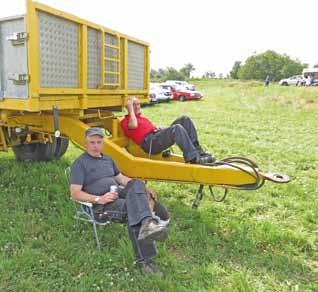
(264, 240)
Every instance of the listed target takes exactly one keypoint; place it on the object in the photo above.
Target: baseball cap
(94, 131)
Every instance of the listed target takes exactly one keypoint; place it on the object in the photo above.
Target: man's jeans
(181, 132)
(131, 207)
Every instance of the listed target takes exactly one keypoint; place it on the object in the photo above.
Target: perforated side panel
(111, 39)
(58, 52)
(93, 58)
(13, 60)
(136, 66)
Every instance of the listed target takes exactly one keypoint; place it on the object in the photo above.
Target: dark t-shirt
(95, 174)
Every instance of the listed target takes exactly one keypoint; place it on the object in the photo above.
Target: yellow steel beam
(125, 64)
(3, 143)
(147, 69)
(82, 70)
(67, 102)
(79, 91)
(111, 59)
(102, 58)
(111, 46)
(138, 167)
(32, 26)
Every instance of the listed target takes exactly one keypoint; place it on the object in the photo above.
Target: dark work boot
(149, 268)
(203, 154)
(152, 231)
(203, 159)
(207, 157)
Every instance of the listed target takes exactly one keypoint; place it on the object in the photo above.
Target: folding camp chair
(85, 211)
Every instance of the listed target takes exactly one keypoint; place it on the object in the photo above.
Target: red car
(182, 94)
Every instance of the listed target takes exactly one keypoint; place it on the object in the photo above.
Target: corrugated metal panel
(58, 51)
(136, 65)
(93, 58)
(13, 59)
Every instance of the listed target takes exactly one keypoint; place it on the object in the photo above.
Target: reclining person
(92, 175)
(154, 140)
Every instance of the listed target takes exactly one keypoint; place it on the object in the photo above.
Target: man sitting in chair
(93, 174)
(154, 140)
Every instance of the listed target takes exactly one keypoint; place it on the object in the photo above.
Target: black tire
(27, 152)
(61, 147)
(285, 84)
(40, 151)
(47, 151)
(181, 98)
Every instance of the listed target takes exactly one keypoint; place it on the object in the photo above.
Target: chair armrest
(90, 205)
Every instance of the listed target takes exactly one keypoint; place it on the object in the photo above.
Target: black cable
(233, 161)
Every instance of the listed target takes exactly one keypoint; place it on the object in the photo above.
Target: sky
(211, 35)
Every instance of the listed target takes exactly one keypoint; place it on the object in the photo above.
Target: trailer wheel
(182, 98)
(61, 147)
(28, 152)
(41, 152)
(47, 151)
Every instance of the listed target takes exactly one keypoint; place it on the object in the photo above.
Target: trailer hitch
(245, 165)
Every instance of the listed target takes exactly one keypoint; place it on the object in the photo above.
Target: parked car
(171, 88)
(293, 80)
(152, 99)
(310, 77)
(184, 84)
(181, 93)
(161, 93)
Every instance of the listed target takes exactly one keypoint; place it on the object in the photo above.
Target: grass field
(264, 240)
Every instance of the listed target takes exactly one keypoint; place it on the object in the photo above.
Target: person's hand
(108, 198)
(129, 103)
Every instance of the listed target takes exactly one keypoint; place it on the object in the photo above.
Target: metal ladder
(110, 60)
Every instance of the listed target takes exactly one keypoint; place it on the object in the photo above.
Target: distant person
(309, 80)
(154, 140)
(267, 80)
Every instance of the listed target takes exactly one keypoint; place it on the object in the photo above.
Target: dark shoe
(208, 157)
(149, 268)
(203, 159)
(152, 231)
(166, 153)
(203, 154)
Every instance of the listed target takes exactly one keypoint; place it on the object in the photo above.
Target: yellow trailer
(60, 74)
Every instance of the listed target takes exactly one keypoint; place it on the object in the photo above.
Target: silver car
(293, 80)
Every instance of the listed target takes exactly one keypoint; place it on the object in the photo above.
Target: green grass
(264, 240)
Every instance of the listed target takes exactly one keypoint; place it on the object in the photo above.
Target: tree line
(256, 67)
(271, 63)
(171, 73)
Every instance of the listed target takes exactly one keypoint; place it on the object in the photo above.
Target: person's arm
(132, 123)
(122, 179)
(79, 195)
(76, 187)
